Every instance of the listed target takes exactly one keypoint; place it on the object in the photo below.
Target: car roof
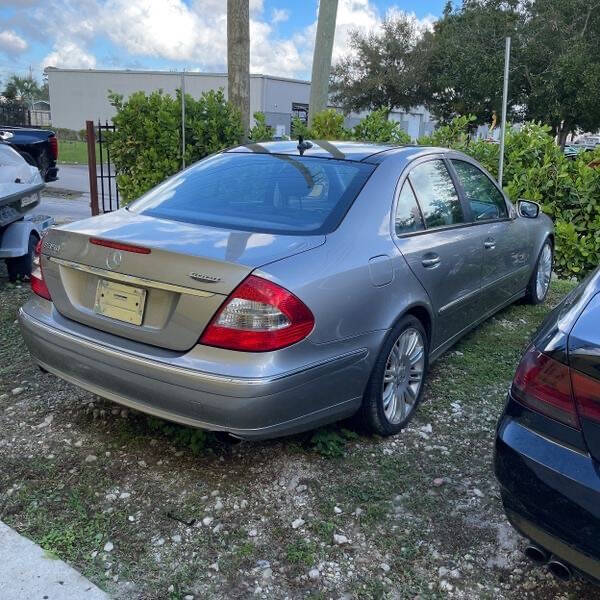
(343, 150)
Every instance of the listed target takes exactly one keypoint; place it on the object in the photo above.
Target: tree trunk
(563, 132)
(321, 67)
(238, 58)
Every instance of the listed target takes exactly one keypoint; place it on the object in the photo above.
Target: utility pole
(321, 67)
(238, 58)
(504, 105)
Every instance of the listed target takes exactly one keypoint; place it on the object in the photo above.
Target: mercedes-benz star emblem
(114, 259)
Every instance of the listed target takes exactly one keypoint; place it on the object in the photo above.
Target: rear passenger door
(432, 232)
(505, 240)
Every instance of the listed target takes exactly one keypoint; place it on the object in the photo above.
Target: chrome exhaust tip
(559, 569)
(537, 554)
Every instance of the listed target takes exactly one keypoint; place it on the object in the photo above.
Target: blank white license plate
(120, 302)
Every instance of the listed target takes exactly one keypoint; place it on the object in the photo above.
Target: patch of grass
(74, 152)
(301, 552)
(325, 530)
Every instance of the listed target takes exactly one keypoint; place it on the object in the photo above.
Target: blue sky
(178, 34)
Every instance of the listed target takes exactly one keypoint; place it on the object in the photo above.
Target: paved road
(75, 178)
(64, 210)
(72, 177)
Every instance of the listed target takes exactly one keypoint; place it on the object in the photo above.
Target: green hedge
(146, 146)
(536, 169)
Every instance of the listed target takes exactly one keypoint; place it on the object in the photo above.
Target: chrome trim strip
(170, 287)
(203, 375)
(481, 289)
(454, 303)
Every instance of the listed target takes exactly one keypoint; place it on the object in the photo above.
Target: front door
(505, 240)
(433, 236)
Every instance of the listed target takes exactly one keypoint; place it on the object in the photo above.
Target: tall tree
(383, 70)
(238, 58)
(321, 67)
(561, 64)
(464, 56)
(22, 89)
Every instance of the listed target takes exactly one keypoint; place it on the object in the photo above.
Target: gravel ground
(150, 510)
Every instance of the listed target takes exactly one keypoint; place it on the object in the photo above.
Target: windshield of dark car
(259, 192)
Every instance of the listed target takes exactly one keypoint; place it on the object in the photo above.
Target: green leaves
(376, 127)
(261, 132)
(146, 146)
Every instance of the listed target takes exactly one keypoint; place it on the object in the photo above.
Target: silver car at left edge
(276, 287)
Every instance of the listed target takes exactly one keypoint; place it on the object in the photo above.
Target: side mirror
(528, 209)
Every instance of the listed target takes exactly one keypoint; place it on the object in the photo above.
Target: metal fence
(104, 192)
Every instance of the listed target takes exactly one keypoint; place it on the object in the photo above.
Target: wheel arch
(423, 314)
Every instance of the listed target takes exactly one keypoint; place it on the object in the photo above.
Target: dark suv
(547, 456)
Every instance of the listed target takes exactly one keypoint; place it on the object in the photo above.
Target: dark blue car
(547, 456)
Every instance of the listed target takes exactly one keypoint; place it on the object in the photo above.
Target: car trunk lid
(164, 296)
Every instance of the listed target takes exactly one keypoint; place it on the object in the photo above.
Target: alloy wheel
(544, 271)
(403, 375)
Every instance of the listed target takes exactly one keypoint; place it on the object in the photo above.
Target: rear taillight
(38, 285)
(544, 384)
(54, 146)
(259, 316)
(586, 391)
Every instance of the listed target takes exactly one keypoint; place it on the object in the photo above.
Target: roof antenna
(302, 145)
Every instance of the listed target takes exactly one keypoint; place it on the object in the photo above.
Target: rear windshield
(259, 192)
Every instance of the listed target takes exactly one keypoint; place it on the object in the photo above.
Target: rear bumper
(180, 387)
(551, 494)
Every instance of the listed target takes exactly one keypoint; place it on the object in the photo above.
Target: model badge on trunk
(204, 277)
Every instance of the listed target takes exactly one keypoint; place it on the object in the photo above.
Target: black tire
(531, 295)
(20, 267)
(371, 413)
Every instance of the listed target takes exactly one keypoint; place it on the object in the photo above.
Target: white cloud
(69, 55)
(279, 15)
(169, 29)
(190, 33)
(11, 43)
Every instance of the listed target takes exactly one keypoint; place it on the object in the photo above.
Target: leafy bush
(146, 146)
(536, 169)
(328, 125)
(376, 127)
(261, 132)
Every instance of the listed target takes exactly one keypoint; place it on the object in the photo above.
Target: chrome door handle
(431, 262)
(489, 245)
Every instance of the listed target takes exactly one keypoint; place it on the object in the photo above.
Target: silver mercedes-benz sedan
(276, 287)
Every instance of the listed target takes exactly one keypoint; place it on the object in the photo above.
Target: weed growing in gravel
(301, 552)
(330, 442)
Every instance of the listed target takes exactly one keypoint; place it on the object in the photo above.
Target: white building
(78, 95)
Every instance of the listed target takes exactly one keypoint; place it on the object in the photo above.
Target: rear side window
(259, 192)
(483, 196)
(436, 194)
(408, 216)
